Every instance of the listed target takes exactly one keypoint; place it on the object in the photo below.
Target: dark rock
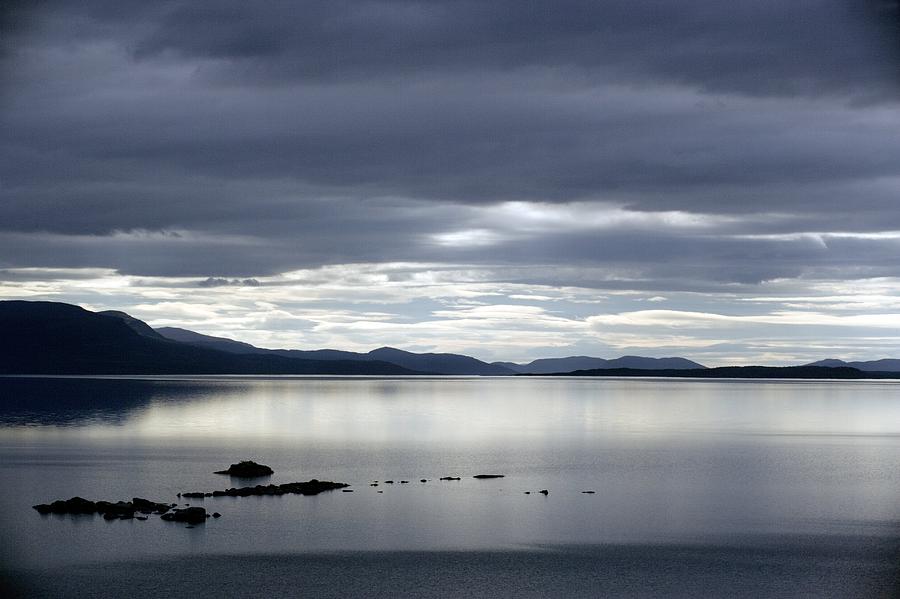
(450, 478)
(194, 495)
(191, 515)
(544, 492)
(373, 485)
(346, 490)
(489, 476)
(589, 492)
(310, 487)
(404, 482)
(119, 509)
(423, 480)
(216, 515)
(388, 482)
(247, 469)
(145, 506)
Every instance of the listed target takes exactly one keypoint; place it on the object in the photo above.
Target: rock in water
(310, 487)
(450, 478)
(489, 476)
(191, 515)
(109, 510)
(247, 469)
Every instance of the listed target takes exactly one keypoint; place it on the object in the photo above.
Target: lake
(701, 487)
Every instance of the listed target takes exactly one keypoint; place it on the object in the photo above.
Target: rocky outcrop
(247, 469)
(109, 510)
(310, 487)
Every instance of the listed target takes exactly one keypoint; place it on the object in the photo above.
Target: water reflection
(76, 401)
(458, 410)
(682, 460)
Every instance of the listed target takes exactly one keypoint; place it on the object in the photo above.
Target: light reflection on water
(669, 460)
(453, 409)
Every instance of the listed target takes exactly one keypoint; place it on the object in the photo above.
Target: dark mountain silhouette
(138, 326)
(56, 338)
(743, 372)
(883, 365)
(441, 363)
(571, 363)
(431, 363)
(208, 341)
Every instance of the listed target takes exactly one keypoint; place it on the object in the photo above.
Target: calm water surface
(739, 488)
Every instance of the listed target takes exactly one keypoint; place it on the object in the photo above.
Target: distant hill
(883, 365)
(57, 338)
(207, 341)
(742, 372)
(572, 363)
(441, 363)
(138, 326)
(426, 363)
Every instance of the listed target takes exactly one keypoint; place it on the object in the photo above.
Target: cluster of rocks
(120, 510)
(137, 508)
(247, 469)
(310, 487)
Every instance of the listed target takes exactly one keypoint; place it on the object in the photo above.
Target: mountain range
(883, 365)
(552, 365)
(56, 338)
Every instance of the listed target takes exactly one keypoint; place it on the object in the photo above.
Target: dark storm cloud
(761, 47)
(235, 139)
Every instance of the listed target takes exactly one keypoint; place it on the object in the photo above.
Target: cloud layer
(560, 152)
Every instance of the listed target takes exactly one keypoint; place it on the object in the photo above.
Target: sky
(509, 179)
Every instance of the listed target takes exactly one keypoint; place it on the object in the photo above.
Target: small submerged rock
(191, 515)
(544, 492)
(247, 469)
(589, 492)
(489, 476)
(450, 478)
